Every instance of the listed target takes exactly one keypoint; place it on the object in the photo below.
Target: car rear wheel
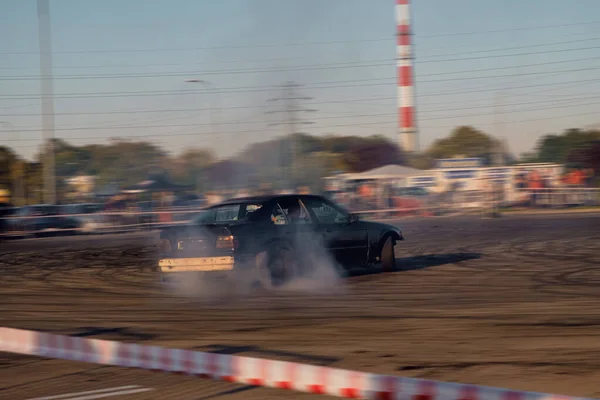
(258, 276)
(281, 265)
(388, 258)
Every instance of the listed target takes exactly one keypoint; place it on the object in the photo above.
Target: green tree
(556, 148)
(34, 183)
(337, 153)
(587, 156)
(464, 141)
(374, 153)
(7, 161)
(190, 167)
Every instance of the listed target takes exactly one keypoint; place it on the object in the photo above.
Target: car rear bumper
(196, 264)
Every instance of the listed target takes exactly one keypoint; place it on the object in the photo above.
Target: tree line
(300, 159)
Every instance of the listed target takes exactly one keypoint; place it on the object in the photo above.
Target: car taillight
(226, 242)
(164, 246)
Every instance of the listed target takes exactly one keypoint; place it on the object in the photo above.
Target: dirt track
(513, 302)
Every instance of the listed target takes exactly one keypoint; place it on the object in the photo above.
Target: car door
(347, 240)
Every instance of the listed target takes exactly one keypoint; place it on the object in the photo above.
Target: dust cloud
(319, 272)
(314, 272)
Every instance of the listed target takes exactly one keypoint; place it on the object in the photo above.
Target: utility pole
(499, 130)
(498, 187)
(290, 110)
(47, 92)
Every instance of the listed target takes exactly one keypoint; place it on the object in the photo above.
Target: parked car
(40, 220)
(89, 217)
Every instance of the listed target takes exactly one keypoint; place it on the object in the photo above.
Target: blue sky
(126, 62)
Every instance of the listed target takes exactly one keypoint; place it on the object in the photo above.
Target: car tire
(388, 258)
(261, 274)
(281, 265)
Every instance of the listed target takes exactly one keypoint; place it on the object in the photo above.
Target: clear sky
(120, 68)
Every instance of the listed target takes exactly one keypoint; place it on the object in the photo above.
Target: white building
(81, 186)
(456, 174)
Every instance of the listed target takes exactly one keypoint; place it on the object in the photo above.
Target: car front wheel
(388, 258)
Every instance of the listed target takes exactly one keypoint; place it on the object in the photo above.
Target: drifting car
(270, 235)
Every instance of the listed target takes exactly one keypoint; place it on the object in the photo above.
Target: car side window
(295, 212)
(206, 217)
(325, 212)
(227, 213)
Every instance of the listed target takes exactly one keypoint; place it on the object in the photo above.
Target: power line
(512, 75)
(20, 106)
(370, 99)
(184, 49)
(335, 101)
(321, 66)
(286, 122)
(332, 85)
(350, 64)
(465, 72)
(390, 122)
(363, 100)
(554, 117)
(331, 42)
(529, 46)
(509, 55)
(529, 28)
(264, 59)
(292, 58)
(514, 111)
(510, 104)
(487, 89)
(512, 66)
(88, 128)
(367, 101)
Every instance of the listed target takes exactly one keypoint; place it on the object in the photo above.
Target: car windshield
(229, 213)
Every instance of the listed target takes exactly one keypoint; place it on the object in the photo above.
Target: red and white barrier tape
(251, 371)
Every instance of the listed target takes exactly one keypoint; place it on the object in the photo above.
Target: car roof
(264, 199)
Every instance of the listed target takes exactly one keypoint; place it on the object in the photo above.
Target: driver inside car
(297, 214)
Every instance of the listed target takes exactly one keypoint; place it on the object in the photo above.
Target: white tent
(390, 171)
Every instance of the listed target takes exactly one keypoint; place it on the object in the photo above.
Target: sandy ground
(511, 302)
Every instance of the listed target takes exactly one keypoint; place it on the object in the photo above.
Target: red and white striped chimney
(406, 95)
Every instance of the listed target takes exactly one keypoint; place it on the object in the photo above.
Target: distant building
(81, 186)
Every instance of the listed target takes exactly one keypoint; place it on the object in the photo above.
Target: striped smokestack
(407, 131)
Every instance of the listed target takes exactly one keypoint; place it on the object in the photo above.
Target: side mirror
(354, 218)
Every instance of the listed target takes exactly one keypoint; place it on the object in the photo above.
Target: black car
(274, 233)
(40, 220)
